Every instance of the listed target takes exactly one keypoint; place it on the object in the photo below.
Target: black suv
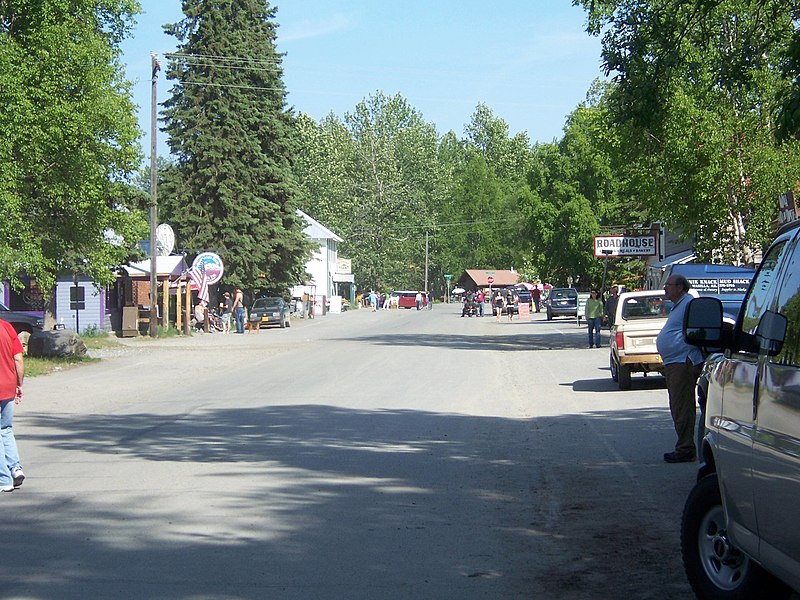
(740, 532)
(562, 302)
(20, 320)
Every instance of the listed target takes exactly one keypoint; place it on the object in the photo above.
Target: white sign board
(212, 265)
(344, 266)
(625, 245)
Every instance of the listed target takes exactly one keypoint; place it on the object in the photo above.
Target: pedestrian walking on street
(498, 305)
(682, 366)
(594, 318)
(511, 302)
(12, 373)
(536, 296)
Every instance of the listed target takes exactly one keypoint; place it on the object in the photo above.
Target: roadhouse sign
(625, 245)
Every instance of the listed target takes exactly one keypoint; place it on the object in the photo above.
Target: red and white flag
(197, 276)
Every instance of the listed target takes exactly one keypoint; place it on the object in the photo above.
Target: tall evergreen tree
(234, 137)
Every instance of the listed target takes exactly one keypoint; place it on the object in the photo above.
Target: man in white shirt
(682, 366)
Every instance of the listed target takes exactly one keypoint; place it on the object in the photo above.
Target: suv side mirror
(703, 324)
(771, 332)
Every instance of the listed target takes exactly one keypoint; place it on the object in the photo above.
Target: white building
(324, 270)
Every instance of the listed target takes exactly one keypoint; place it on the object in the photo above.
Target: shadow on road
(363, 486)
(638, 383)
(508, 343)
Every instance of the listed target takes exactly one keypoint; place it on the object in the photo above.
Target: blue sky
(530, 61)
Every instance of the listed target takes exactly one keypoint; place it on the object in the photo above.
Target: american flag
(197, 275)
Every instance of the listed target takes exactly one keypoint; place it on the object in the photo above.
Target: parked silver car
(740, 533)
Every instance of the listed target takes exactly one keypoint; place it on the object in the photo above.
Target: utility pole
(153, 195)
(426, 263)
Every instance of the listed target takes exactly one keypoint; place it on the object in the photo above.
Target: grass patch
(107, 340)
(35, 366)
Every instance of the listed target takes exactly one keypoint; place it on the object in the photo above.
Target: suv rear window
(646, 307)
(560, 294)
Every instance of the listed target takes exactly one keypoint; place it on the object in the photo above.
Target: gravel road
(397, 454)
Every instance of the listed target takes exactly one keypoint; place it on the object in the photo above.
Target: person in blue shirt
(682, 366)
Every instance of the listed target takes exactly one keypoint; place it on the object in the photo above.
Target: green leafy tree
(561, 221)
(480, 222)
(694, 98)
(67, 140)
(324, 166)
(374, 179)
(234, 140)
(508, 156)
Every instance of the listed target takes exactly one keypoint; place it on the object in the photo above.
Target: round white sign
(165, 240)
(211, 264)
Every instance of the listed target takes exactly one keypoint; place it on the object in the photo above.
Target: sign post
(77, 301)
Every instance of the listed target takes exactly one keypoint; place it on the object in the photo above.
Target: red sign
(490, 280)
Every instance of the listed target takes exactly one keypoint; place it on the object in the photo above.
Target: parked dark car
(740, 526)
(20, 320)
(562, 302)
(270, 311)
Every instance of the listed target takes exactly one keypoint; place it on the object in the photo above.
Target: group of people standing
(232, 308)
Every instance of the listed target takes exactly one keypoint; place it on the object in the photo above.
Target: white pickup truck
(639, 319)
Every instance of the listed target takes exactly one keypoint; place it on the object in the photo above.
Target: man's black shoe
(680, 457)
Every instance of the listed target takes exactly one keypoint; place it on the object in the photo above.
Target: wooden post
(178, 303)
(165, 303)
(187, 309)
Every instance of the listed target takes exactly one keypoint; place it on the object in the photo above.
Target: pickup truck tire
(613, 368)
(716, 570)
(624, 377)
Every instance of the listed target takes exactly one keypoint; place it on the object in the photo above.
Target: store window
(30, 298)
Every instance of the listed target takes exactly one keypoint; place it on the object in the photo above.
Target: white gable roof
(173, 265)
(317, 230)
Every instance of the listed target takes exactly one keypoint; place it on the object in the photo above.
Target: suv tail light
(620, 339)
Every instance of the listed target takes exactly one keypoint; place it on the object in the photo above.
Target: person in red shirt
(12, 372)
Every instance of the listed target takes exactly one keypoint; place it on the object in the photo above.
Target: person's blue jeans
(594, 324)
(9, 442)
(240, 319)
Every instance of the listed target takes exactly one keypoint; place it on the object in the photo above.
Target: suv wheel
(614, 370)
(715, 568)
(624, 377)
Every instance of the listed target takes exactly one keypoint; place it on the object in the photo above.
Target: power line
(240, 59)
(231, 85)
